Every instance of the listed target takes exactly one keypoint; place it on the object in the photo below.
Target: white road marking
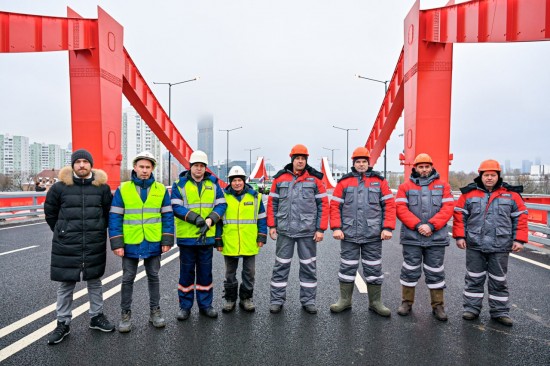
(41, 332)
(545, 266)
(15, 227)
(360, 283)
(18, 250)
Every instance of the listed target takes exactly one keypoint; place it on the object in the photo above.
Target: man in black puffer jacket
(77, 210)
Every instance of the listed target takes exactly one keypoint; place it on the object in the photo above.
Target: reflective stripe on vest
(240, 230)
(142, 220)
(201, 204)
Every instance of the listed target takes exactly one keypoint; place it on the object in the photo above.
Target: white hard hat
(236, 171)
(198, 157)
(145, 155)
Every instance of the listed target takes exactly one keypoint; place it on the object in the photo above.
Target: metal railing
(32, 209)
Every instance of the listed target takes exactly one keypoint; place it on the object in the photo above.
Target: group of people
(490, 221)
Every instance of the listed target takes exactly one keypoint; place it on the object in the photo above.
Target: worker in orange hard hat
(424, 206)
(362, 214)
(297, 213)
(490, 221)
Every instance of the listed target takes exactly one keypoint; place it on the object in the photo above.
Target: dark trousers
(195, 274)
(247, 275)
(129, 271)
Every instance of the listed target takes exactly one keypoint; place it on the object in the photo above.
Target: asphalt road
(293, 337)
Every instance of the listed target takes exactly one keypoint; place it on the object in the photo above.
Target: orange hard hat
(299, 150)
(423, 158)
(360, 152)
(489, 165)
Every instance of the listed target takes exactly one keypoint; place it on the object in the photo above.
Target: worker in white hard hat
(243, 233)
(141, 227)
(199, 203)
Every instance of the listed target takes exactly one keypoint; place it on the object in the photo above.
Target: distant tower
(507, 166)
(205, 136)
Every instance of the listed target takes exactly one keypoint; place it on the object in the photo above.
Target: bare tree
(5, 183)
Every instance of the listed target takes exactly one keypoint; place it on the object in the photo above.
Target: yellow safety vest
(240, 225)
(142, 220)
(201, 204)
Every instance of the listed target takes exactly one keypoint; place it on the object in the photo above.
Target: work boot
(228, 306)
(504, 320)
(209, 312)
(100, 322)
(468, 315)
(247, 305)
(125, 324)
(310, 308)
(275, 308)
(375, 300)
(438, 305)
(344, 302)
(407, 300)
(183, 314)
(156, 318)
(59, 333)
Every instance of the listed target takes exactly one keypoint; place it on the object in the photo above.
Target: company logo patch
(248, 203)
(208, 187)
(506, 195)
(375, 184)
(310, 179)
(438, 186)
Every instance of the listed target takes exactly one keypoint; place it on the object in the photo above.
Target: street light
(227, 152)
(170, 117)
(250, 160)
(332, 160)
(385, 92)
(347, 143)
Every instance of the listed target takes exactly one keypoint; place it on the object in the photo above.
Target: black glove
(202, 234)
(199, 222)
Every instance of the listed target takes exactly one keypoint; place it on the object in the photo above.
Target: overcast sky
(284, 70)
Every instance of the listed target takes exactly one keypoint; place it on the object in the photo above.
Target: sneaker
(310, 308)
(228, 306)
(125, 324)
(183, 314)
(209, 312)
(247, 305)
(504, 320)
(155, 317)
(468, 315)
(100, 322)
(61, 331)
(275, 308)
(405, 308)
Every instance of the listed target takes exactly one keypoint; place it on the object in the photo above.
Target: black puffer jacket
(77, 211)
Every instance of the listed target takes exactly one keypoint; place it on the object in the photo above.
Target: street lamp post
(250, 160)
(332, 159)
(227, 150)
(170, 117)
(347, 143)
(385, 82)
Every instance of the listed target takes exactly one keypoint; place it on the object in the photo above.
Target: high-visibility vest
(240, 225)
(201, 203)
(142, 220)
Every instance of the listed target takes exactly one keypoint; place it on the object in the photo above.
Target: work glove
(195, 219)
(202, 233)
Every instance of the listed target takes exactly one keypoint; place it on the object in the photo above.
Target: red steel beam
(388, 115)
(482, 21)
(36, 33)
(141, 97)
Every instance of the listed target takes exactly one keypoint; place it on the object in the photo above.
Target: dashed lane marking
(41, 332)
(360, 283)
(545, 266)
(18, 250)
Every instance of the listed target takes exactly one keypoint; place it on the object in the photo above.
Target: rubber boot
(375, 300)
(344, 302)
(438, 304)
(407, 300)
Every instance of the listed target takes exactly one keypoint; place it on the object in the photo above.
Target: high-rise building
(137, 137)
(205, 135)
(526, 166)
(507, 167)
(14, 154)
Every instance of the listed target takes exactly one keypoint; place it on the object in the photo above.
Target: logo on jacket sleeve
(506, 195)
(439, 186)
(310, 179)
(374, 184)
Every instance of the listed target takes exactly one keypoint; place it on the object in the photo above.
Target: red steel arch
(101, 70)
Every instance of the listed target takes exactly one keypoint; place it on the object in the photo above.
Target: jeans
(65, 299)
(248, 273)
(129, 271)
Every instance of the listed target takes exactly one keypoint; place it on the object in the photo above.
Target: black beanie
(82, 154)
(294, 157)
